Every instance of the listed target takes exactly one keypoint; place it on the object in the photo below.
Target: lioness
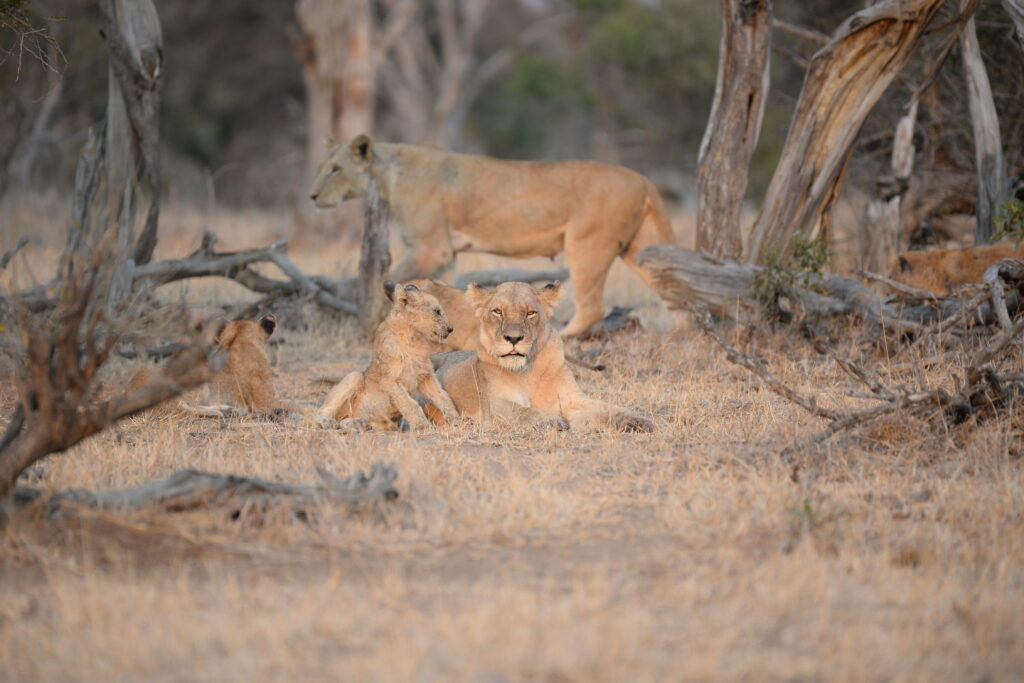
(940, 270)
(443, 203)
(400, 367)
(518, 368)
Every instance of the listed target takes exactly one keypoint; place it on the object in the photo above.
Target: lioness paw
(554, 424)
(632, 423)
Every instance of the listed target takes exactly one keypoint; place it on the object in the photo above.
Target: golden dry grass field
(895, 552)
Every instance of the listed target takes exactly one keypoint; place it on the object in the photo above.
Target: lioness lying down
(518, 369)
(400, 368)
(442, 203)
(941, 270)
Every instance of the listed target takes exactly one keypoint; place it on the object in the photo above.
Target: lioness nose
(513, 340)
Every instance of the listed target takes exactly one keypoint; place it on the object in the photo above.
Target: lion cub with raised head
(376, 398)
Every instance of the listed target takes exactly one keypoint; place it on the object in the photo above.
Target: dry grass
(692, 553)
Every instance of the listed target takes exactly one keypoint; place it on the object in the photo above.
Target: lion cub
(244, 384)
(400, 367)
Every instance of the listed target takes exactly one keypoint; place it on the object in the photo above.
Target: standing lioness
(442, 203)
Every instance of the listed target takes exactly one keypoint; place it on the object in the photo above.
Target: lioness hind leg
(588, 268)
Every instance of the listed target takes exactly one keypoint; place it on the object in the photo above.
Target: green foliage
(784, 272)
(514, 117)
(1009, 221)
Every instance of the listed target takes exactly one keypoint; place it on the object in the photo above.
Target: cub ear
(361, 149)
(268, 323)
(226, 332)
(413, 293)
(904, 265)
(329, 142)
(389, 289)
(477, 296)
(549, 295)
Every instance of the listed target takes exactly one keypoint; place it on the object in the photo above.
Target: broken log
(496, 276)
(234, 265)
(191, 489)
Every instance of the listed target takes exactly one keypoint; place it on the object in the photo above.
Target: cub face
(420, 310)
(514, 321)
(343, 174)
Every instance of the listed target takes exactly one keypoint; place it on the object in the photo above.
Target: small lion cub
(413, 328)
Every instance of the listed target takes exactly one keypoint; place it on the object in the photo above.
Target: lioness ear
(268, 323)
(477, 296)
(549, 295)
(389, 289)
(361, 149)
(904, 265)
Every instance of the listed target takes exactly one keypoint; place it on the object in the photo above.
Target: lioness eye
(531, 314)
(497, 312)
(437, 311)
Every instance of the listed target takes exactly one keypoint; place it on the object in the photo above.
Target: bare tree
(845, 80)
(988, 149)
(341, 45)
(734, 124)
(1015, 8)
(881, 232)
(132, 133)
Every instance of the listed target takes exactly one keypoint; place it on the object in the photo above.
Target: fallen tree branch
(206, 262)
(191, 489)
(496, 276)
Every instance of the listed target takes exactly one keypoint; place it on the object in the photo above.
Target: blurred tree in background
(627, 81)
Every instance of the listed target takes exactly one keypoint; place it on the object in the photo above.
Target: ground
(894, 552)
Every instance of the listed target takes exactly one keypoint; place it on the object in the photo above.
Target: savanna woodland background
(834, 487)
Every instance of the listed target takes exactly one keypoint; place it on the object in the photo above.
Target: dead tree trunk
(335, 50)
(845, 80)
(1015, 8)
(882, 234)
(132, 145)
(988, 150)
(374, 259)
(734, 124)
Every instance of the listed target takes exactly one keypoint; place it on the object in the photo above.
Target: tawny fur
(518, 369)
(444, 203)
(245, 384)
(400, 368)
(461, 316)
(941, 270)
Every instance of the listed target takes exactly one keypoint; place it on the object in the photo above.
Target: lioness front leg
(405, 404)
(593, 413)
(525, 414)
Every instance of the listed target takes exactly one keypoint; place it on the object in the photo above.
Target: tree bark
(1015, 8)
(988, 149)
(845, 80)
(882, 234)
(733, 127)
(374, 259)
(132, 146)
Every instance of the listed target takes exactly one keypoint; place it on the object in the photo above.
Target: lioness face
(514, 320)
(420, 310)
(343, 174)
